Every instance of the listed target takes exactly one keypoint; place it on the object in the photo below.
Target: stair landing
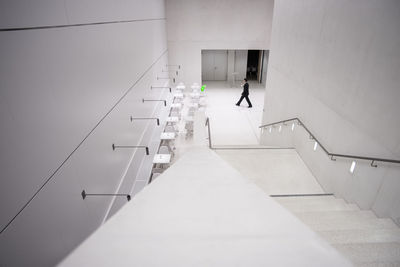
(202, 212)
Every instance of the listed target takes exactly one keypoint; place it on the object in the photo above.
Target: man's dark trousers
(247, 99)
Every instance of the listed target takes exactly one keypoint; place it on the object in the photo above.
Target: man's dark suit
(245, 94)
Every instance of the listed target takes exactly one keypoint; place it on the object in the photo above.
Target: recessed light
(315, 145)
(352, 167)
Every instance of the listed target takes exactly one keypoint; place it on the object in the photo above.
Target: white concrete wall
(66, 95)
(336, 65)
(240, 64)
(193, 25)
(231, 66)
(265, 67)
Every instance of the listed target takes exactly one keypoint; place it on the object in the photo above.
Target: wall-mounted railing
(85, 195)
(145, 147)
(156, 100)
(176, 72)
(166, 78)
(332, 156)
(179, 66)
(157, 119)
(209, 132)
(159, 87)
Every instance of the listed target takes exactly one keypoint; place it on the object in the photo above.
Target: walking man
(245, 93)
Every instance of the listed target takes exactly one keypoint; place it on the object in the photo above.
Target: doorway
(234, 65)
(253, 62)
(214, 65)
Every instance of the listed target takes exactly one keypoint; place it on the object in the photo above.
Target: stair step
(358, 234)
(234, 147)
(361, 236)
(379, 264)
(361, 253)
(335, 215)
(298, 204)
(303, 199)
(343, 220)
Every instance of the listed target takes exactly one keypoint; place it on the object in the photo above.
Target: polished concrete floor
(276, 171)
(233, 125)
(230, 125)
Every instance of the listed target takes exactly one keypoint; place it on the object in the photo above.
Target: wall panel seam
(76, 25)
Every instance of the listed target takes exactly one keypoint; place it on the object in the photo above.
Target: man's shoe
(237, 104)
(250, 106)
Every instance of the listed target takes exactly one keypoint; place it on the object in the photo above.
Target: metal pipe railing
(330, 154)
(170, 89)
(135, 118)
(176, 72)
(145, 147)
(85, 195)
(209, 132)
(156, 100)
(166, 78)
(179, 66)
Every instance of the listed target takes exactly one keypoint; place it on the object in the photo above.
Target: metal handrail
(114, 146)
(330, 154)
(160, 100)
(85, 195)
(209, 132)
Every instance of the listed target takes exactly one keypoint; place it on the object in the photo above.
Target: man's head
(245, 80)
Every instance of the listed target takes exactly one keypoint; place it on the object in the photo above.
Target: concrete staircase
(359, 235)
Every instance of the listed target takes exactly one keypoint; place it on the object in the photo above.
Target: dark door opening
(252, 64)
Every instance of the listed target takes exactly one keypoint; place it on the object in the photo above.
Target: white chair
(192, 108)
(176, 109)
(202, 102)
(161, 162)
(166, 149)
(178, 98)
(189, 126)
(171, 129)
(154, 175)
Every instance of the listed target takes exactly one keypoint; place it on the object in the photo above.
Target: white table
(176, 106)
(180, 87)
(178, 95)
(161, 160)
(167, 136)
(193, 105)
(194, 95)
(172, 120)
(167, 140)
